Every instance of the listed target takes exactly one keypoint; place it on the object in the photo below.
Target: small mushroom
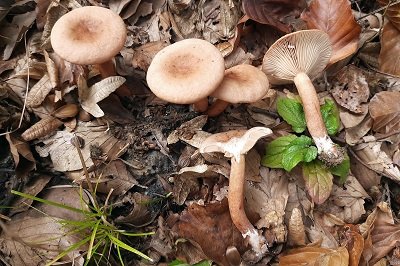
(89, 35)
(299, 57)
(186, 72)
(235, 144)
(241, 84)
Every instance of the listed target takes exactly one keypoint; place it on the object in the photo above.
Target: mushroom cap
(88, 35)
(186, 71)
(242, 84)
(306, 51)
(234, 143)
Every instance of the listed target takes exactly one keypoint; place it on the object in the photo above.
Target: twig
(379, 9)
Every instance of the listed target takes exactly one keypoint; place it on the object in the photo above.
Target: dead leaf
(42, 128)
(318, 181)
(367, 177)
(98, 92)
(22, 155)
(354, 243)
(273, 12)
(315, 256)
(190, 132)
(183, 187)
(392, 11)
(52, 70)
(354, 134)
(385, 112)
(143, 55)
(336, 19)
(39, 91)
(296, 232)
(139, 214)
(390, 47)
(210, 224)
(324, 232)
(64, 154)
(351, 89)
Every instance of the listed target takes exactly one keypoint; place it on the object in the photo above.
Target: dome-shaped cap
(88, 35)
(242, 84)
(186, 71)
(306, 51)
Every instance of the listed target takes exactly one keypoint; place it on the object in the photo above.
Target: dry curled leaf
(273, 12)
(389, 59)
(354, 243)
(296, 232)
(315, 256)
(392, 11)
(384, 109)
(99, 91)
(39, 91)
(335, 18)
(42, 128)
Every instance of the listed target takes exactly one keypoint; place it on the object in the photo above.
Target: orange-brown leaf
(384, 109)
(335, 18)
(273, 12)
(41, 128)
(392, 12)
(315, 256)
(389, 59)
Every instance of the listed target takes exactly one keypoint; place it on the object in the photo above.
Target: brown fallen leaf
(392, 11)
(273, 12)
(315, 256)
(354, 134)
(390, 47)
(210, 224)
(336, 19)
(354, 243)
(143, 55)
(296, 229)
(39, 91)
(22, 155)
(42, 128)
(385, 112)
(139, 213)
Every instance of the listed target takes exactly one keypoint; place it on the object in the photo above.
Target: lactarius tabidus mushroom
(186, 72)
(89, 35)
(241, 84)
(235, 144)
(299, 57)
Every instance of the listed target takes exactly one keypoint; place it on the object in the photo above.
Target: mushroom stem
(201, 106)
(217, 107)
(236, 205)
(328, 151)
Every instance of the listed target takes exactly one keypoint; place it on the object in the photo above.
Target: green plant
(288, 151)
(94, 229)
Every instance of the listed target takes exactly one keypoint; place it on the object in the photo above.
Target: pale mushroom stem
(201, 106)
(217, 107)
(327, 150)
(236, 205)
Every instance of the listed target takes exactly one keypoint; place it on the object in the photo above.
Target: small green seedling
(288, 151)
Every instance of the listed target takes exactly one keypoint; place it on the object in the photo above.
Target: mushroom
(89, 35)
(299, 57)
(235, 144)
(241, 84)
(186, 72)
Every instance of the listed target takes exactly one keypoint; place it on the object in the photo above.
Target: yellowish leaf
(315, 256)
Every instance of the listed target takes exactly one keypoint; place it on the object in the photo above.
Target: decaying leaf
(42, 128)
(351, 89)
(64, 154)
(143, 55)
(372, 155)
(315, 256)
(384, 109)
(39, 91)
(318, 181)
(392, 11)
(325, 230)
(268, 199)
(22, 155)
(98, 92)
(296, 232)
(335, 18)
(190, 132)
(354, 243)
(139, 213)
(390, 47)
(354, 134)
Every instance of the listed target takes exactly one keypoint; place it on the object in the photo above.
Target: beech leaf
(315, 256)
(318, 180)
(273, 12)
(99, 91)
(392, 12)
(336, 19)
(390, 49)
(384, 109)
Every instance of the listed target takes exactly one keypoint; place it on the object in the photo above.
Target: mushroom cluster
(299, 57)
(189, 71)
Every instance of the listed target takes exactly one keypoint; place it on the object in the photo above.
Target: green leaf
(181, 263)
(274, 151)
(292, 112)
(330, 115)
(299, 150)
(318, 180)
(342, 170)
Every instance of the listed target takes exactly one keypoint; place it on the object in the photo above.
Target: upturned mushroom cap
(242, 84)
(306, 51)
(88, 35)
(186, 71)
(235, 142)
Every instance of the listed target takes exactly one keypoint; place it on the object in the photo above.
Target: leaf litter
(142, 154)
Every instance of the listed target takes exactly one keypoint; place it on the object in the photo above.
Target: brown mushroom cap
(306, 51)
(242, 84)
(88, 35)
(186, 71)
(235, 142)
